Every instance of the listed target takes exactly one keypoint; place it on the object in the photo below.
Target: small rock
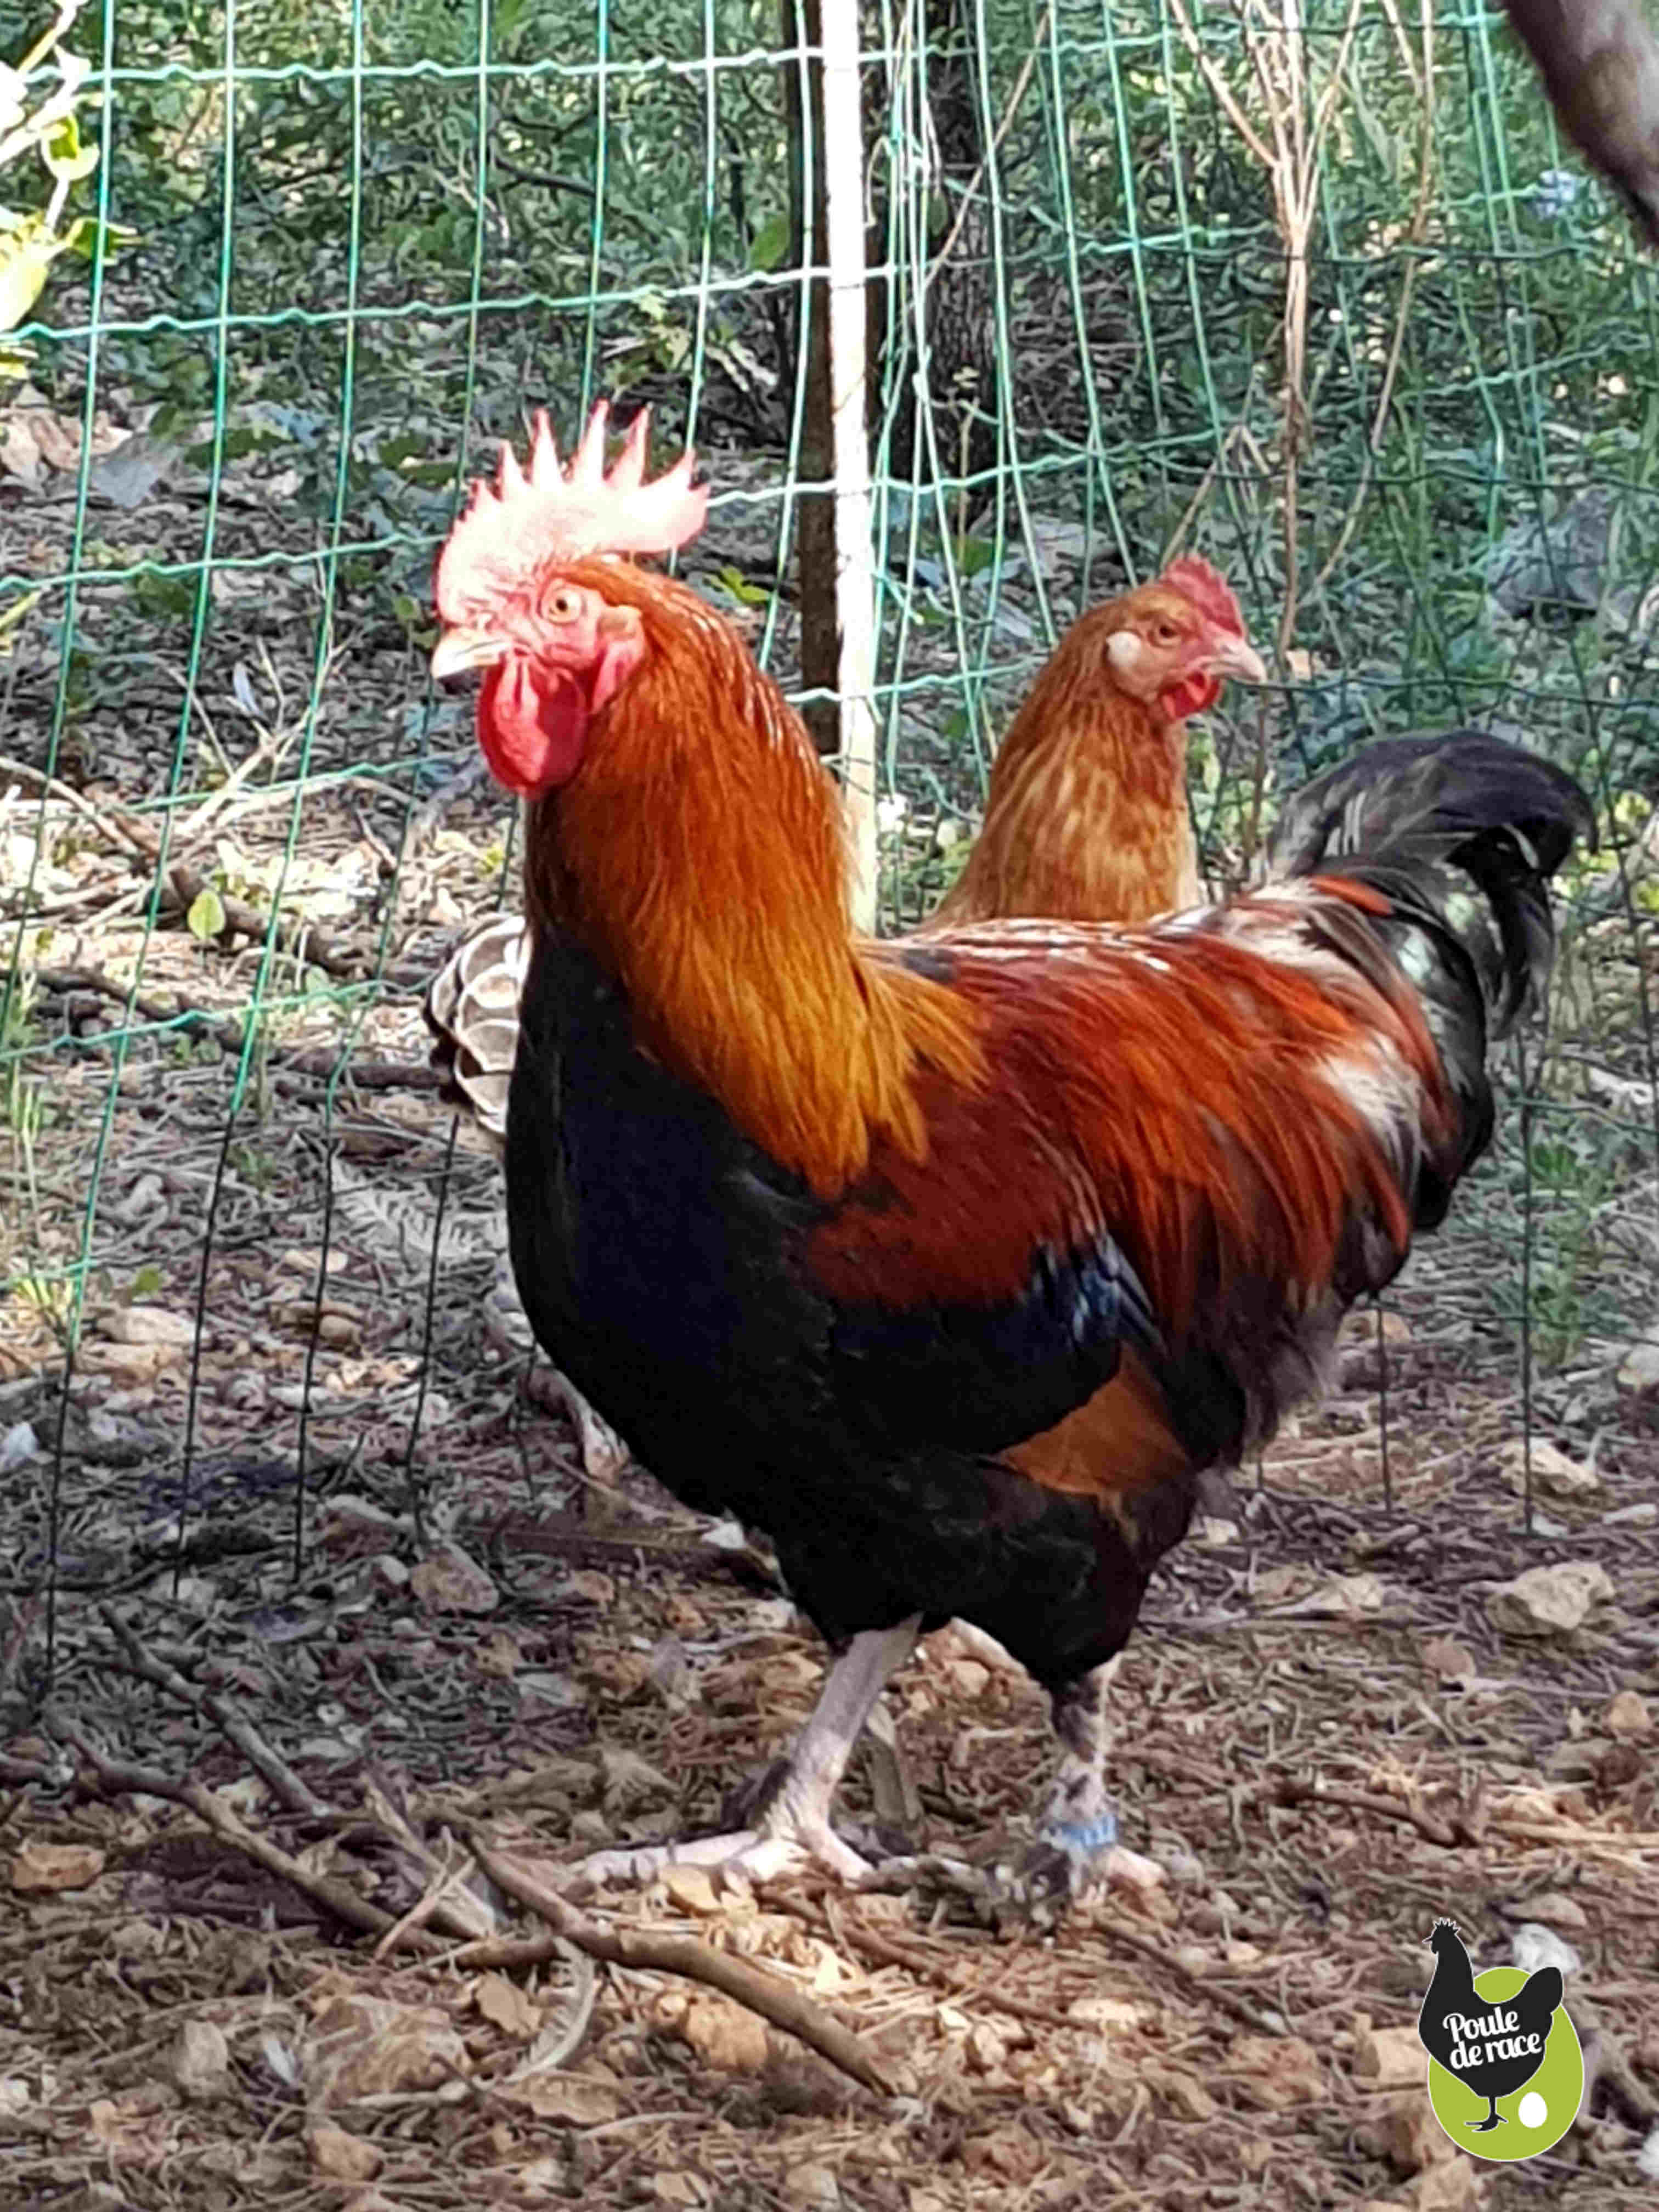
(1644, 1516)
(352, 1527)
(130, 1363)
(1274, 2072)
(1409, 2136)
(692, 1890)
(1647, 2159)
(1558, 1911)
(1361, 1364)
(1639, 1369)
(18, 1445)
(44, 1870)
(1627, 1715)
(1388, 2057)
(449, 1581)
(13, 2096)
(969, 1678)
(1214, 1532)
(148, 1325)
(1181, 2089)
(1451, 2187)
(1533, 1945)
(1553, 1475)
(1451, 1661)
(725, 2035)
(341, 2157)
(201, 2060)
(1549, 1601)
(811, 2184)
(1351, 1594)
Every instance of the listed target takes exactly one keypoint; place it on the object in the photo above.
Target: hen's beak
(1230, 655)
(460, 653)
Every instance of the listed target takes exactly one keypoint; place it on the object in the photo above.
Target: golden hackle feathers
(736, 950)
(530, 519)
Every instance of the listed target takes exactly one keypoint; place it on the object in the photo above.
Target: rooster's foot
(792, 1833)
(1035, 1884)
(757, 1855)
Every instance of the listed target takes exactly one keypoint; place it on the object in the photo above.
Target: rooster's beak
(1232, 655)
(460, 653)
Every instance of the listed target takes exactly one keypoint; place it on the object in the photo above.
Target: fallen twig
(647, 1951)
(112, 824)
(301, 939)
(1285, 1790)
(277, 1774)
(126, 1778)
(320, 1062)
(1241, 2009)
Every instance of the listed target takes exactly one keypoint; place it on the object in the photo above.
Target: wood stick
(277, 1774)
(647, 1951)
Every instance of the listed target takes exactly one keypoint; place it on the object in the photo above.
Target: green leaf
(747, 594)
(770, 243)
(147, 1283)
(206, 918)
(66, 156)
(25, 254)
(81, 237)
(974, 554)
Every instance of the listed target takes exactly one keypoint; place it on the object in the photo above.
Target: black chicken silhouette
(1494, 2044)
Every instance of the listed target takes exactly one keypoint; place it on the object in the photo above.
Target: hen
(948, 1262)
(1086, 818)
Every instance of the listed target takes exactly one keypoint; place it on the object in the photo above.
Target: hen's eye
(1165, 633)
(563, 606)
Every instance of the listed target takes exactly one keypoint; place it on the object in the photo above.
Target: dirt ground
(343, 1592)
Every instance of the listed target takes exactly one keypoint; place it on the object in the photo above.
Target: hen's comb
(1208, 590)
(528, 518)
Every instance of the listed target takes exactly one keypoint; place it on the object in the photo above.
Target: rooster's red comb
(1208, 590)
(528, 518)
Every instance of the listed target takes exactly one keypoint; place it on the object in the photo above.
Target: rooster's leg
(795, 1826)
(1077, 1848)
(1080, 1821)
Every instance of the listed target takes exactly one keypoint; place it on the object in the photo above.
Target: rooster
(948, 1262)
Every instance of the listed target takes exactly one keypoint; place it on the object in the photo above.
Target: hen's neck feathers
(700, 856)
(1086, 818)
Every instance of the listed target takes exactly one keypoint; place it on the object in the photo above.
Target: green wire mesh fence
(1313, 290)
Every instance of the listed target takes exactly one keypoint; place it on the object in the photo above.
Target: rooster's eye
(563, 606)
(1164, 633)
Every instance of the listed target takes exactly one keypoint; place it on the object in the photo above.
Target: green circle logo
(1506, 2075)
